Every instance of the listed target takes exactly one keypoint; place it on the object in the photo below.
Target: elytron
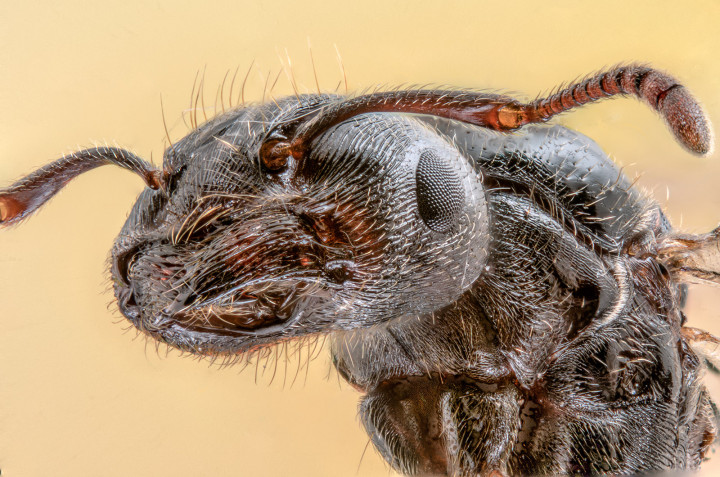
(502, 296)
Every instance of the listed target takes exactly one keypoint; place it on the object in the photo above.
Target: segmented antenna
(682, 113)
(29, 193)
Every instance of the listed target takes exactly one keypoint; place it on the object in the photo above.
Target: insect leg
(692, 258)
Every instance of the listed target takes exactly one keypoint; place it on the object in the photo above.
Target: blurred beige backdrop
(81, 397)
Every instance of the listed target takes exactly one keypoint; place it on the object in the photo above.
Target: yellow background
(81, 397)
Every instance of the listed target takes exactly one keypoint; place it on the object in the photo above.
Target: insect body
(507, 304)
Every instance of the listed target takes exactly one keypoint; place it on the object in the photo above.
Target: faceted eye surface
(439, 192)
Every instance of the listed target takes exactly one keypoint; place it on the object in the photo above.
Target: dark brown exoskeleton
(506, 303)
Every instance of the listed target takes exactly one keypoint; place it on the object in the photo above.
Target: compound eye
(439, 192)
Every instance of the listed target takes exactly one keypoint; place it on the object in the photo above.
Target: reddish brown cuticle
(297, 148)
(3, 211)
(155, 179)
(686, 119)
(9, 209)
(682, 112)
(274, 155)
(511, 117)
